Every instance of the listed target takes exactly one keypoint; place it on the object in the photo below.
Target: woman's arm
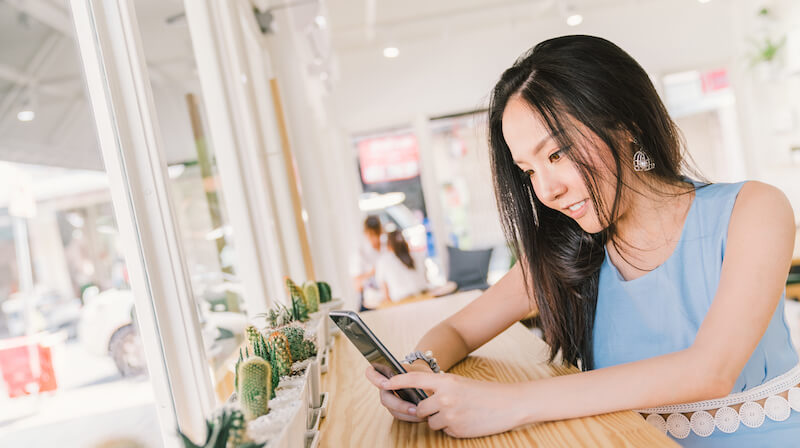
(757, 259)
(503, 304)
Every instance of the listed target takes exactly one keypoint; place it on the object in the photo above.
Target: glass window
(197, 195)
(72, 367)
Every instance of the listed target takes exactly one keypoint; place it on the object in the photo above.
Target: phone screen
(372, 349)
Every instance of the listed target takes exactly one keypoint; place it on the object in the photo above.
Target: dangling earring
(641, 161)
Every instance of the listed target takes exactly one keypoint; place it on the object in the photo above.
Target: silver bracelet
(426, 356)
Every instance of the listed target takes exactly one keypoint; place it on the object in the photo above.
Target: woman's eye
(528, 173)
(555, 156)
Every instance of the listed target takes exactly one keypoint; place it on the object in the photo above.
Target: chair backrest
(468, 268)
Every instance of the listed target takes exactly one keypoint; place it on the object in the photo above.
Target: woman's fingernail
(384, 384)
(412, 410)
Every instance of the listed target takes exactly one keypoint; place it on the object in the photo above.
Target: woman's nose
(551, 189)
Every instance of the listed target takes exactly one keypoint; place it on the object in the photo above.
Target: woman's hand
(398, 407)
(462, 407)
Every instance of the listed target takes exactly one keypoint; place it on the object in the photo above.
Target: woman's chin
(590, 227)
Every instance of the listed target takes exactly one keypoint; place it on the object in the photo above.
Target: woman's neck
(652, 220)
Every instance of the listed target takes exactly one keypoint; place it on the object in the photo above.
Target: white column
(326, 203)
(119, 89)
(430, 189)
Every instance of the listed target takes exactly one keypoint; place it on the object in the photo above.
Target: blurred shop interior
(165, 165)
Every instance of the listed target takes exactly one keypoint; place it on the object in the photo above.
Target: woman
(397, 273)
(662, 290)
(369, 250)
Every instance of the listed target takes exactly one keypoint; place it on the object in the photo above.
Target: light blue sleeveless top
(661, 311)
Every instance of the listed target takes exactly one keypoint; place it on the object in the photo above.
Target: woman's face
(556, 179)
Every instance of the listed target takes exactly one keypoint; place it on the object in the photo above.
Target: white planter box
(319, 324)
(295, 431)
(294, 434)
(331, 329)
(312, 439)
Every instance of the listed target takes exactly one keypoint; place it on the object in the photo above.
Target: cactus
(294, 290)
(236, 371)
(311, 292)
(299, 309)
(225, 430)
(260, 348)
(252, 335)
(278, 316)
(324, 292)
(310, 348)
(255, 387)
(280, 353)
(238, 431)
(300, 347)
(299, 304)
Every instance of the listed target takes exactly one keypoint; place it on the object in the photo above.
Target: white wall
(454, 71)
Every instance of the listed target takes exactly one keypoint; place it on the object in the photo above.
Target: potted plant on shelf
(277, 400)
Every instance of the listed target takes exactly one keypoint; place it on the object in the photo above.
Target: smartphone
(377, 355)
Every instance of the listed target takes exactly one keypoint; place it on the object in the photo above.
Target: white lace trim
(726, 419)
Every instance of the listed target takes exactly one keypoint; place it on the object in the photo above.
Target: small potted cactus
(277, 377)
(328, 303)
(272, 387)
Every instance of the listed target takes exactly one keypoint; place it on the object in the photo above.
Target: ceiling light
(321, 21)
(703, 1)
(391, 52)
(26, 115)
(574, 20)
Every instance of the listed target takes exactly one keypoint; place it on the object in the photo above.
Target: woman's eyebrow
(538, 146)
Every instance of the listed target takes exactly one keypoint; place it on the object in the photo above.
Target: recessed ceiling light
(391, 52)
(703, 1)
(574, 20)
(321, 21)
(26, 115)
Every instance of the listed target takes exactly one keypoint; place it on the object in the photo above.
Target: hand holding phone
(374, 351)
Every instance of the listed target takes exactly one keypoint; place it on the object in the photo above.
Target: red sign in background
(713, 80)
(385, 159)
(15, 363)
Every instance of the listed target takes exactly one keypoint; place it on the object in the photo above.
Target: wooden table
(357, 419)
(408, 300)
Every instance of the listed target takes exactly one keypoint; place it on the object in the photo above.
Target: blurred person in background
(398, 273)
(369, 250)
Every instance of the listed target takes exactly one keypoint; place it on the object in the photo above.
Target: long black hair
(399, 246)
(590, 81)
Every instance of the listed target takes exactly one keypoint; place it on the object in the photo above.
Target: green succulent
(299, 309)
(255, 387)
(278, 316)
(324, 292)
(300, 348)
(226, 430)
(311, 292)
(252, 334)
(280, 354)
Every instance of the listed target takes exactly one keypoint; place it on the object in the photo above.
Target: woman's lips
(576, 213)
